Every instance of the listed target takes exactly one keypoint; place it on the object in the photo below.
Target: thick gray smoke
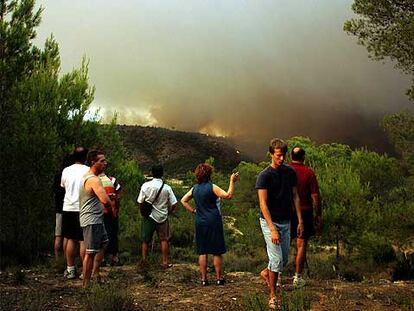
(247, 69)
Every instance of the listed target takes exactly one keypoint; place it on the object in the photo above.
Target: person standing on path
(92, 199)
(164, 205)
(308, 190)
(208, 220)
(71, 229)
(277, 192)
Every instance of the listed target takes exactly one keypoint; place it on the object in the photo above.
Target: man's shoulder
(265, 171)
(75, 171)
(287, 168)
(167, 186)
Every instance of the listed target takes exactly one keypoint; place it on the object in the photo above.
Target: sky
(250, 70)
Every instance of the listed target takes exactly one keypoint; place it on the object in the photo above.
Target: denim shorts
(278, 254)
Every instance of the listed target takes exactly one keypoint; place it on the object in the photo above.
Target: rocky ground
(178, 288)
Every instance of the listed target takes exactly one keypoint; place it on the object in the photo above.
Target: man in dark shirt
(308, 191)
(277, 192)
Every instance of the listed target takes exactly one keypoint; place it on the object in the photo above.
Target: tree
(399, 128)
(386, 29)
(42, 118)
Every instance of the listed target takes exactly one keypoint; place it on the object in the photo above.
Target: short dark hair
(67, 161)
(93, 155)
(157, 171)
(298, 154)
(277, 143)
(203, 172)
(79, 154)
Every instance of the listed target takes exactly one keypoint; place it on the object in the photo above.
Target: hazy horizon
(249, 70)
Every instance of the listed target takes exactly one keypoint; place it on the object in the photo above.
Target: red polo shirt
(307, 184)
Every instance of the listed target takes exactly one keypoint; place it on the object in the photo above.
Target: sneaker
(65, 273)
(81, 276)
(279, 280)
(204, 283)
(71, 275)
(298, 282)
(220, 282)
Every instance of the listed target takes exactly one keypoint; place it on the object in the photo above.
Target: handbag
(146, 207)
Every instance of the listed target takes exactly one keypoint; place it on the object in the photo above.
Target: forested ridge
(179, 151)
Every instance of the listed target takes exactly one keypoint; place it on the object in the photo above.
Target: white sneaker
(71, 275)
(298, 282)
(279, 280)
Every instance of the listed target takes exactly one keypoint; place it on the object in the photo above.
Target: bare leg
(264, 274)
(71, 248)
(300, 254)
(97, 263)
(58, 243)
(218, 261)
(65, 242)
(87, 268)
(202, 261)
(272, 283)
(144, 249)
(82, 250)
(164, 252)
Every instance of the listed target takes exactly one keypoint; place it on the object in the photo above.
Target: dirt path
(178, 288)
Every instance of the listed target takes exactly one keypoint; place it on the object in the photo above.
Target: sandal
(275, 303)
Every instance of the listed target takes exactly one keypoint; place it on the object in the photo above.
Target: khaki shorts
(58, 227)
(149, 225)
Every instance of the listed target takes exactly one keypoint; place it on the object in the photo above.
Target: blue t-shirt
(279, 183)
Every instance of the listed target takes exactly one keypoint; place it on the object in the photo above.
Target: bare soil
(178, 288)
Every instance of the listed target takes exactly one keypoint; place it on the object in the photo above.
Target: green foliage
(386, 29)
(254, 302)
(377, 247)
(399, 128)
(245, 195)
(379, 173)
(43, 116)
(109, 296)
(296, 300)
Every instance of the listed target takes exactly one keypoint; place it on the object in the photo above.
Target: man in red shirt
(308, 191)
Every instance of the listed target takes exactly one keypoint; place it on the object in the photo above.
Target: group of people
(290, 209)
(87, 205)
(288, 196)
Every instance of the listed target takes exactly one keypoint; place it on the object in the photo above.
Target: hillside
(178, 151)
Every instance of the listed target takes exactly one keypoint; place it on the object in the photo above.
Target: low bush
(108, 297)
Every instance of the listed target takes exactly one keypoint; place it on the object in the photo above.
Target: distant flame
(213, 131)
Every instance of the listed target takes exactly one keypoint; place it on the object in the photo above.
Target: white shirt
(71, 181)
(166, 198)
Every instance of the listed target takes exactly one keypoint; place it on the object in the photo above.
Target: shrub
(376, 247)
(108, 297)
